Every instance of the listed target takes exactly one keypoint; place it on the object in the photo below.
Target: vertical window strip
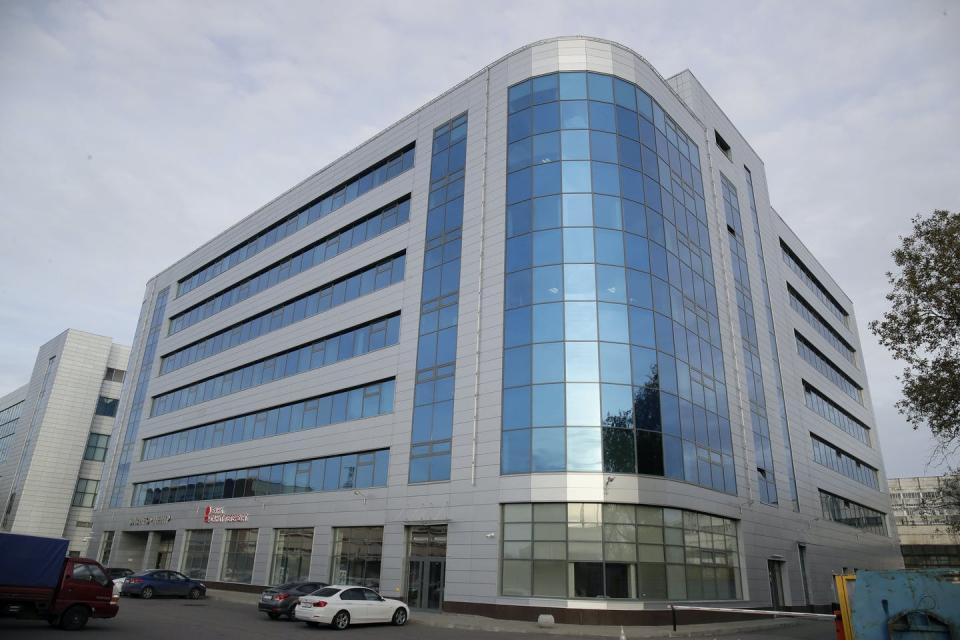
(763, 450)
(774, 350)
(381, 172)
(439, 299)
(139, 398)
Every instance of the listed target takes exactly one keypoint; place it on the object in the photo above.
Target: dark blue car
(162, 582)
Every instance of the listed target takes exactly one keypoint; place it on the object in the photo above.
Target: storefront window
(291, 555)
(589, 550)
(356, 556)
(196, 553)
(240, 547)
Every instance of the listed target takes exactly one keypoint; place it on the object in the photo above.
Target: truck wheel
(74, 618)
(147, 593)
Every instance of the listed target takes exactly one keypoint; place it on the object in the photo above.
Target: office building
(926, 518)
(54, 436)
(541, 346)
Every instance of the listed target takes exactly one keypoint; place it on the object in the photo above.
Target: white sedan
(341, 605)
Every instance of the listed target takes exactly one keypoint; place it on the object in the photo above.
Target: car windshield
(326, 592)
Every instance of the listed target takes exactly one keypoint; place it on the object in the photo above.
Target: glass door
(426, 567)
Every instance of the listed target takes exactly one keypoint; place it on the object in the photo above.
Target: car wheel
(340, 621)
(312, 624)
(399, 617)
(74, 618)
(273, 616)
(195, 594)
(147, 593)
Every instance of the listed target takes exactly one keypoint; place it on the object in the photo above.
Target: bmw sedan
(340, 606)
(161, 582)
(282, 600)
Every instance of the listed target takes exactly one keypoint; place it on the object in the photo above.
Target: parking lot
(176, 619)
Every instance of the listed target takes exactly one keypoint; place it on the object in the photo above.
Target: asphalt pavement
(176, 619)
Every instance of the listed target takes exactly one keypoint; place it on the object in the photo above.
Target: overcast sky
(132, 132)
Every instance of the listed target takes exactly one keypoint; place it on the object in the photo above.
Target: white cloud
(134, 131)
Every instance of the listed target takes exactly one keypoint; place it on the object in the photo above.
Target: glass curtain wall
(439, 304)
(612, 358)
(196, 553)
(588, 550)
(292, 550)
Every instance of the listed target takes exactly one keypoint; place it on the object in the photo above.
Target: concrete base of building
(626, 617)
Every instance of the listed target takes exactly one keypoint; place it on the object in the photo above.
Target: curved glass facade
(612, 357)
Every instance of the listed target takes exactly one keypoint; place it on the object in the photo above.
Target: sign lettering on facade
(213, 514)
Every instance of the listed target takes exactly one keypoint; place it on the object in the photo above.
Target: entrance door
(165, 550)
(427, 564)
(775, 571)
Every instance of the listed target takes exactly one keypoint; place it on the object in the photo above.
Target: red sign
(216, 514)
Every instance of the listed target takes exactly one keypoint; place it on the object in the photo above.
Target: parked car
(161, 582)
(118, 575)
(342, 605)
(39, 581)
(282, 599)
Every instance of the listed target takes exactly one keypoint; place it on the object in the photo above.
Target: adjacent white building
(541, 346)
(926, 520)
(54, 435)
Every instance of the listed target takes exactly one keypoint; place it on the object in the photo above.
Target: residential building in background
(543, 343)
(54, 436)
(924, 521)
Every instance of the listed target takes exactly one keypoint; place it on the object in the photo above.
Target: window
(196, 553)
(106, 547)
(85, 493)
(587, 550)
(97, 444)
(114, 375)
(357, 552)
(292, 550)
(107, 406)
(346, 192)
(723, 145)
(240, 547)
(842, 462)
(852, 514)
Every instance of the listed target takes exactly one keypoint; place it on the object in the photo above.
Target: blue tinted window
(600, 87)
(547, 247)
(580, 320)
(576, 177)
(546, 147)
(519, 125)
(519, 252)
(630, 153)
(644, 105)
(518, 289)
(573, 86)
(624, 94)
(519, 154)
(516, 366)
(548, 322)
(576, 145)
(603, 146)
(578, 282)
(641, 327)
(615, 363)
(577, 210)
(548, 450)
(617, 401)
(606, 212)
(515, 452)
(627, 124)
(546, 179)
(546, 212)
(548, 362)
(601, 117)
(548, 284)
(582, 362)
(517, 327)
(518, 218)
(578, 244)
(545, 89)
(574, 114)
(548, 401)
(613, 322)
(610, 247)
(583, 450)
(606, 178)
(519, 96)
(519, 186)
(546, 117)
(516, 408)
